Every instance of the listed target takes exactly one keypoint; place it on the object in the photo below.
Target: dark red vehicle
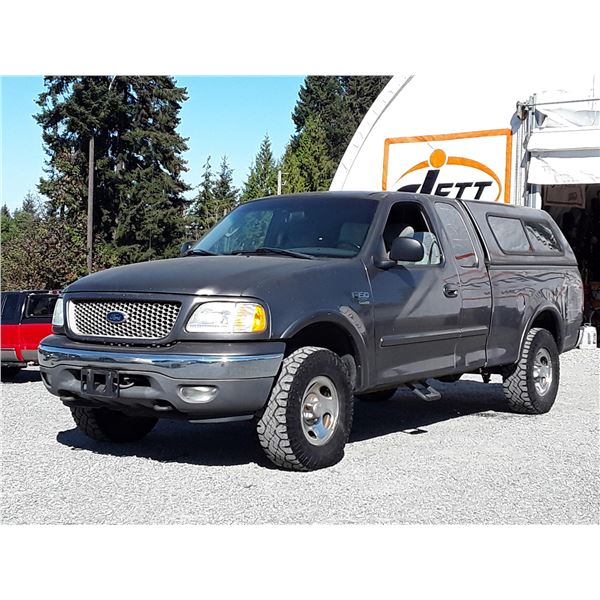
(26, 320)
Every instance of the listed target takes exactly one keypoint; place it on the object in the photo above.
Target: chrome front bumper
(200, 366)
(243, 381)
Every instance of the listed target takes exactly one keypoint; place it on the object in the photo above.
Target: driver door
(416, 305)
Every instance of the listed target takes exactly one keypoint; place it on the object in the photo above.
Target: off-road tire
(106, 425)
(279, 425)
(519, 387)
(380, 396)
(9, 373)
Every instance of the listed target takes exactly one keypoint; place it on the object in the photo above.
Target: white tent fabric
(565, 167)
(565, 148)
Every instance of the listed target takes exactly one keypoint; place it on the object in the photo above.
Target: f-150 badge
(362, 297)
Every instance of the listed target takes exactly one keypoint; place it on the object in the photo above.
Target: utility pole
(90, 208)
(279, 180)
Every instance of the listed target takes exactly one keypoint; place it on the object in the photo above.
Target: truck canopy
(518, 234)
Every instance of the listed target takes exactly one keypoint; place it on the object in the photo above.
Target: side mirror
(406, 249)
(185, 248)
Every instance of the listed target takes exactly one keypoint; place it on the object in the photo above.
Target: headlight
(58, 316)
(228, 317)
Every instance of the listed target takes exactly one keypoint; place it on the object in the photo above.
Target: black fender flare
(551, 308)
(359, 339)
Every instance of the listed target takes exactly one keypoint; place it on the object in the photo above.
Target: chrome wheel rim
(542, 371)
(319, 410)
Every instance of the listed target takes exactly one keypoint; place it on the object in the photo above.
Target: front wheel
(530, 386)
(106, 425)
(307, 420)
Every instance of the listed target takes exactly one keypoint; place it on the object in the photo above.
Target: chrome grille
(144, 320)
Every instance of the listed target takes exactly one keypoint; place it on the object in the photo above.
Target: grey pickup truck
(292, 306)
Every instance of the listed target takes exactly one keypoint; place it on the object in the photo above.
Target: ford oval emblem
(116, 316)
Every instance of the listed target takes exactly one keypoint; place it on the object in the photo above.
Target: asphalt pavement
(462, 459)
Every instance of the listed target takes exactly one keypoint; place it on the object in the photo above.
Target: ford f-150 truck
(293, 305)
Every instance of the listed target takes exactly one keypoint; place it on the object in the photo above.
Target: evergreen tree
(138, 190)
(31, 204)
(262, 179)
(6, 224)
(321, 96)
(340, 103)
(151, 205)
(359, 94)
(203, 213)
(224, 191)
(308, 167)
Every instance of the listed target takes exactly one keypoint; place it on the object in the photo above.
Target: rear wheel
(380, 396)
(107, 425)
(9, 373)
(307, 420)
(530, 386)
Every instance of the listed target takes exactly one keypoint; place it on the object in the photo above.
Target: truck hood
(202, 275)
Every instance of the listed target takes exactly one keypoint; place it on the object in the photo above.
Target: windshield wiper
(200, 252)
(269, 250)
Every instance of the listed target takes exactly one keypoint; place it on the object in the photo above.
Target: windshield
(312, 225)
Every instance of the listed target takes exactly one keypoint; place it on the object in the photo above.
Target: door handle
(451, 290)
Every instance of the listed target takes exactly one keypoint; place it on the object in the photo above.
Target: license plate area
(100, 382)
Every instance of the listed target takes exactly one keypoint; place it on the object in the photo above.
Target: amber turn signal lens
(260, 319)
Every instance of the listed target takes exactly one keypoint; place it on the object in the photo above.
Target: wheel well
(334, 338)
(548, 320)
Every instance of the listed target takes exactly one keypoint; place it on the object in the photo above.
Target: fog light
(198, 393)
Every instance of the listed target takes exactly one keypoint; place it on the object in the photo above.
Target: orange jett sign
(473, 165)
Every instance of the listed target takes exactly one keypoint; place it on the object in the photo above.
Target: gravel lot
(460, 460)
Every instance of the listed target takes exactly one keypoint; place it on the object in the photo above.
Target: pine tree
(321, 96)
(6, 224)
(203, 213)
(224, 191)
(31, 204)
(262, 179)
(308, 167)
(149, 186)
(340, 102)
(359, 94)
(138, 191)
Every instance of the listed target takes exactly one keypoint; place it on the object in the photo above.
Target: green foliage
(262, 179)
(359, 94)
(40, 251)
(138, 190)
(225, 192)
(216, 197)
(328, 111)
(323, 97)
(308, 167)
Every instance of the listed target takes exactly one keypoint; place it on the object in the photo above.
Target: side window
(542, 238)
(509, 234)
(407, 220)
(40, 306)
(11, 303)
(462, 244)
